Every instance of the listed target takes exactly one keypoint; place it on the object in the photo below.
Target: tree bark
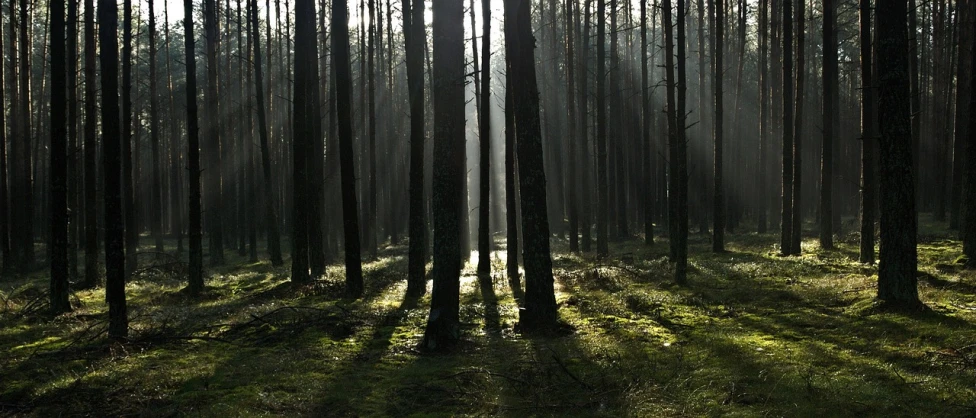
(716, 12)
(539, 313)
(897, 282)
(270, 217)
(350, 216)
(416, 36)
(118, 327)
(59, 157)
(786, 226)
(91, 181)
(484, 126)
(602, 248)
(212, 174)
(830, 107)
(195, 232)
(868, 137)
(448, 36)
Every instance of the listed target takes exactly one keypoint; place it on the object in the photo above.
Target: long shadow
(490, 301)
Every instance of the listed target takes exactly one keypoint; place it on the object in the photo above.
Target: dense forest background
(643, 207)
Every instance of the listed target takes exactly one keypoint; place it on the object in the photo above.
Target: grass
(754, 334)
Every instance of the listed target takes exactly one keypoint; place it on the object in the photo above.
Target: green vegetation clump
(754, 334)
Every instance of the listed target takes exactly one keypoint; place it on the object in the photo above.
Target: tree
(59, 157)
(22, 214)
(448, 65)
(540, 300)
(195, 233)
(4, 219)
(108, 16)
(786, 225)
(74, 147)
(584, 117)
(416, 35)
(897, 282)
(369, 224)
(868, 137)
(969, 189)
(343, 85)
(91, 182)
(571, 10)
(829, 116)
(801, 70)
(716, 12)
(646, 132)
(270, 218)
(212, 175)
(511, 169)
(763, 113)
(307, 132)
(128, 181)
(484, 127)
(156, 198)
(602, 249)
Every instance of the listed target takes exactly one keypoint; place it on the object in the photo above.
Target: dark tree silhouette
(716, 13)
(448, 65)
(897, 282)
(128, 181)
(156, 190)
(270, 218)
(108, 20)
(91, 181)
(484, 126)
(829, 116)
(416, 35)
(540, 301)
(969, 190)
(343, 84)
(59, 163)
(602, 248)
(195, 227)
(868, 137)
(786, 225)
(212, 174)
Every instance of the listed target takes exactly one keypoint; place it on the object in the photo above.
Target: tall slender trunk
(584, 117)
(270, 218)
(761, 201)
(128, 180)
(212, 174)
(194, 232)
(74, 146)
(448, 34)
(897, 270)
(91, 182)
(801, 70)
(4, 218)
(829, 116)
(343, 80)
(539, 312)
(415, 36)
(646, 141)
(716, 13)
(602, 248)
(306, 141)
(156, 203)
(786, 228)
(175, 181)
(108, 15)
(868, 137)
(484, 126)
(59, 157)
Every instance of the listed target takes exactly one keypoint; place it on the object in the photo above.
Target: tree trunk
(647, 194)
(270, 218)
(484, 126)
(539, 313)
(761, 201)
(448, 35)
(416, 36)
(118, 327)
(91, 182)
(511, 167)
(4, 218)
(584, 118)
(897, 282)
(797, 234)
(155, 204)
(786, 226)
(74, 147)
(602, 248)
(306, 141)
(128, 186)
(343, 80)
(830, 107)
(59, 168)
(963, 91)
(212, 175)
(868, 137)
(195, 232)
(716, 12)
(969, 188)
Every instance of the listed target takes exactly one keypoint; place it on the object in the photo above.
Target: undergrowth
(754, 334)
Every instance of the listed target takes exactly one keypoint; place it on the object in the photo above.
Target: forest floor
(754, 334)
